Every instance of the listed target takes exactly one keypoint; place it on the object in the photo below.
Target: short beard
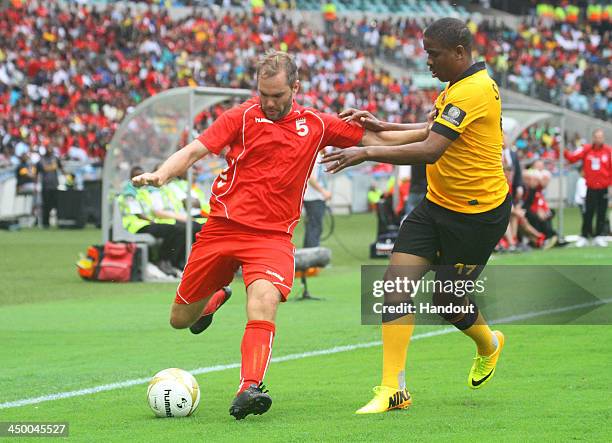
(285, 111)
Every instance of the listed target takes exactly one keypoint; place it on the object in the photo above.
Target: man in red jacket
(597, 165)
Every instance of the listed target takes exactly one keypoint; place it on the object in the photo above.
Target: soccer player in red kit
(255, 205)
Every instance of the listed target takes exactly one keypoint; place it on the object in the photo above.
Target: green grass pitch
(60, 334)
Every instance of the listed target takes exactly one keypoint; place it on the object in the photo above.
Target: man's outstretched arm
(427, 151)
(369, 121)
(174, 166)
(379, 133)
(393, 138)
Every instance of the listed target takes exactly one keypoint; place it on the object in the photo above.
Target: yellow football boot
(386, 399)
(483, 368)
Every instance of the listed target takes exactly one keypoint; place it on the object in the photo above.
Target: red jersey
(269, 162)
(596, 164)
(539, 203)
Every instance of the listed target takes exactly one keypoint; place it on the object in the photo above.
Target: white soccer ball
(173, 393)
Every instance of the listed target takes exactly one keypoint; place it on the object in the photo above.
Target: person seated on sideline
(537, 211)
(137, 219)
(166, 208)
(518, 226)
(176, 191)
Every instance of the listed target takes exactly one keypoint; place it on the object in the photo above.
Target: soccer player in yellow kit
(464, 214)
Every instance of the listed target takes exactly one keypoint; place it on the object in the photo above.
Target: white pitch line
(529, 315)
(329, 351)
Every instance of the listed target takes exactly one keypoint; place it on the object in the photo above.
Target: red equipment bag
(117, 261)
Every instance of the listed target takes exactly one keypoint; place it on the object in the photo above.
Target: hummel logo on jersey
(274, 274)
(262, 120)
(398, 398)
(482, 380)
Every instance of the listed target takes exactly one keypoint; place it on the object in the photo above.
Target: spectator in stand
(597, 166)
(537, 211)
(563, 61)
(75, 70)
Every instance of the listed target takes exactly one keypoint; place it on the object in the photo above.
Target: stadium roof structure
(517, 118)
(152, 132)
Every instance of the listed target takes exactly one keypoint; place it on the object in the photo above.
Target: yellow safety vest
(544, 10)
(200, 195)
(560, 14)
(131, 222)
(594, 13)
(257, 6)
(573, 13)
(329, 11)
(145, 199)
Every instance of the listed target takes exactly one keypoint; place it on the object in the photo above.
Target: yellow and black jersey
(469, 177)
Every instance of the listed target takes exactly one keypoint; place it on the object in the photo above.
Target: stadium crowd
(566, 62)
(67, 76)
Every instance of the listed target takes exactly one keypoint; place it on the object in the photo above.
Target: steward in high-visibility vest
(176, 191)
(544, 10)
(374, 196)
(329, 12)
(136, 221)
(174, 199)
(201, 196)
(156, 206)
(198, 194)
(594, 13)
(257, 7)
(560, 14)
(131, 213)
(606, 15)
(573, 14)
(163, 3)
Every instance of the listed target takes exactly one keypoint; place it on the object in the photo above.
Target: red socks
(256, 350)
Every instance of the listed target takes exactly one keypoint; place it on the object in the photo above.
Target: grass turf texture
(61, 334)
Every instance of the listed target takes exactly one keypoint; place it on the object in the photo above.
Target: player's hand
(149, 178)
(343, 158)
(431, 117)
(326, 195)
(364, 118)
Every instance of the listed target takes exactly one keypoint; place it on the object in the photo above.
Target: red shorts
(222, 246)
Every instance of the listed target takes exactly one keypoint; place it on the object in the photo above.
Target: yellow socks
(482, 335)
(396, 338)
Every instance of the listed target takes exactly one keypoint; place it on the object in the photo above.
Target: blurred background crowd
(70, 71)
